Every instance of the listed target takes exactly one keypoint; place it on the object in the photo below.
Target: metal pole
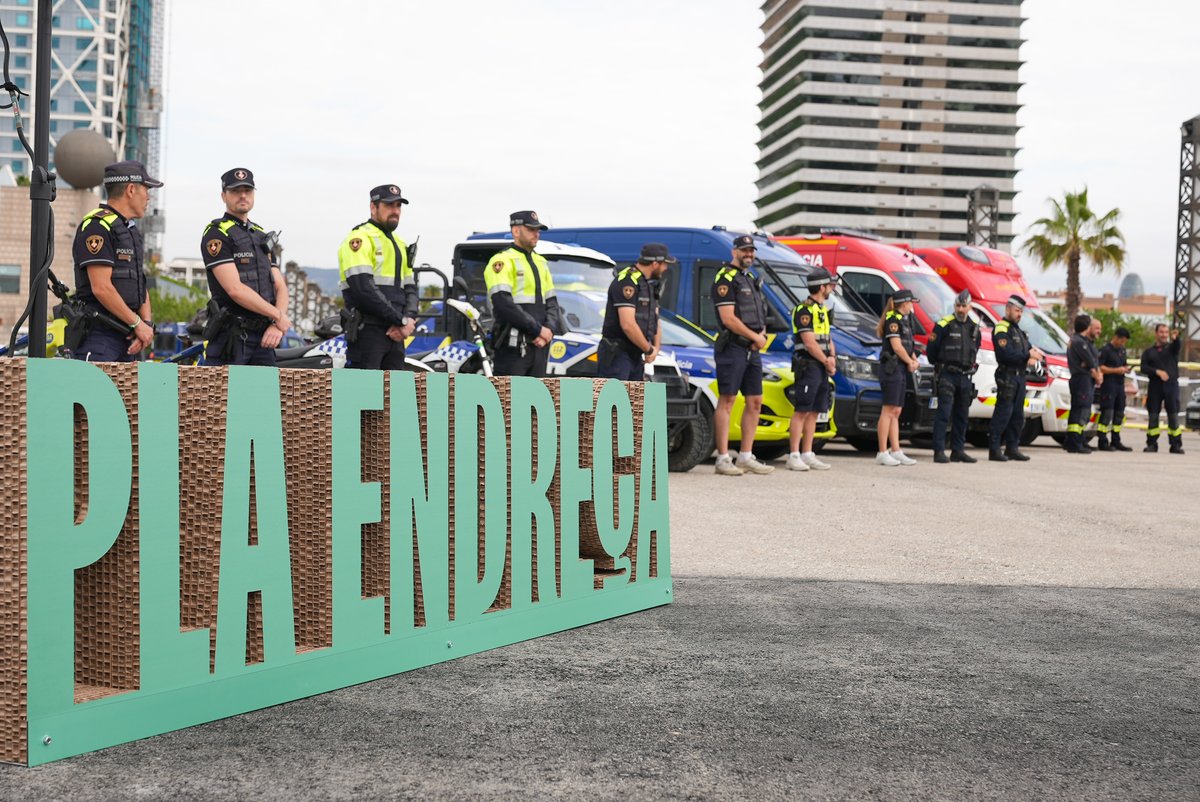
(41, 183)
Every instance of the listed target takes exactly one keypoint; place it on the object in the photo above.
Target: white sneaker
(752, 465)
(725, 466)
(903, 458)
(886, 458)
(810, 459)
(795, 462)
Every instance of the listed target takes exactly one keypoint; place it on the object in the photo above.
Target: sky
(614, 113)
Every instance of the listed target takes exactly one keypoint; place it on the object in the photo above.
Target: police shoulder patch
(497, 266)
(805, 319)
(722, 290)
(628, 292)
(933, 335)
(94, 243)
(355, 244)
(1001, 341)
(893, 326)
(213, 246)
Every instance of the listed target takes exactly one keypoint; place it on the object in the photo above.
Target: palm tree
(1073, 233)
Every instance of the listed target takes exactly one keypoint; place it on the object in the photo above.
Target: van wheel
(1031, 432)
(692, 444)
(1059, 438)
(867, 445)
(979, 438)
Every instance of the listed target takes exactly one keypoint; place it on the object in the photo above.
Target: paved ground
(932, 638)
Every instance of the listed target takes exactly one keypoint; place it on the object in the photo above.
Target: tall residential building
(882, 115)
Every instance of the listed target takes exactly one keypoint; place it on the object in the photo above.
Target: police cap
(128, 172)
(237, 177)
(387, 193)
(901, 295)
(819, 278)
(1017, 301)
(656, 252)
(743, 241)
(528, 219)
(963, 298)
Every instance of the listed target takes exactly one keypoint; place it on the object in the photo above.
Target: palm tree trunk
(1074, 293)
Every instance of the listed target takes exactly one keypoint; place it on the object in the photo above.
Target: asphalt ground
(989, 631)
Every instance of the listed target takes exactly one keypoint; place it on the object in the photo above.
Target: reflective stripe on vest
(515, 276)
(820, 326)
(382, 262)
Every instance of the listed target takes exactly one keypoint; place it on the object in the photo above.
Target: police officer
(1084, 364)
(898, 358)
(814, 360)
(742, 335)
(1114, 364)
(953, 346)
(110, 280)
(247, 287)
(524, 305)
(1014, 354)
(631, 337)
(378, 286)
(1160, 364)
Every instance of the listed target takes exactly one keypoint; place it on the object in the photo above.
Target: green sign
(554, 475)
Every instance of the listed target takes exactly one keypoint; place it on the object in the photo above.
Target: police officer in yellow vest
(814, 360)
(248, 314)
(631, 337)
(378, 286)
(109, 277)
(524, 306)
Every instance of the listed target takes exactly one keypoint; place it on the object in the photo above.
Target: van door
(703, 313)
(871, 286)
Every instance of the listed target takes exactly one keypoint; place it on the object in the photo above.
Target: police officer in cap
(524, 305)
(814, 360)
(742, 324)
(1160, 364)
(378, 286)
(109, 273)
(631, 337)
(1014, 354)
(1084, 364)
(953, 346)
(898, 358)
(246, 284)
(1114, 365)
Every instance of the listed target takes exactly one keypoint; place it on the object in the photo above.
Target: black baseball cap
(528, 219)
(128, 172)
(1017, 301)
(819, 278)
(743, 241)
(656, 252)
(901, 295)
(237, 177)
(387, 193)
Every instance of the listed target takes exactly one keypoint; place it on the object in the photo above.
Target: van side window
(873, 289)
(705, 315)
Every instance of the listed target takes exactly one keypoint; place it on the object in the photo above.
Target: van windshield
(936, 297)
(792, 284)
(1042, 332)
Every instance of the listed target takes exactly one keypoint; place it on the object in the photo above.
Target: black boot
(961, 456)
(1176, 445)
(995, 455)
(1072, 443)
(1015, 454)
(1151, 446)
(940, 457)
(1117, 445)
(1102, 442)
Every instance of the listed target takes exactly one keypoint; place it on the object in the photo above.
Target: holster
(724, 338)
(79, 324)
(218, 320)
(352, 323)
(890, 365)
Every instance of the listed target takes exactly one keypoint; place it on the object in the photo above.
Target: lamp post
(41, 182)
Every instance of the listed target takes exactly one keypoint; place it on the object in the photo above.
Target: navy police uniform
(810, 391)
(953, 347)
(105, 239)
(1082, 359)
(894, 378)
(246, 245)
(1012, 357)
(1161, 394)
(739, 367)
(1112, 396)
(617, 356)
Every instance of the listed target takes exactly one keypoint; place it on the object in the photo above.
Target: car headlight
(985, 357)
(1059, 372)
(856, 368)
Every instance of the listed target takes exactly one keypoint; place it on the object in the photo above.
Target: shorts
(739, 370)
(894, 387)
(810, 393)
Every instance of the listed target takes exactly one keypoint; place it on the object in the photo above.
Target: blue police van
(686, 292)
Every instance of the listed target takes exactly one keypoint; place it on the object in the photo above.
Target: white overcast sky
(612, 113)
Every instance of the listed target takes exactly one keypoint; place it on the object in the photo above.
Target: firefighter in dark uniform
(1114, 364)
(248, 315)
(953, 346)
(378, 286)
(1160, 364)
(524, 305)
(631, 338)
(1014, 355)
(742, 335)
(814, 360)
(110, 279)
(1084, 364)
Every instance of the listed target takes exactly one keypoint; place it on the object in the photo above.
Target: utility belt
(623, 344)
(1009, 375)
(82, 318)
(803, 357)
(956, 370)
(353, 321)
(221, 319)
(727, 339)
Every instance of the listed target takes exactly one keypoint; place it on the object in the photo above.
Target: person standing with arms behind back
(742, 325)
(897, 359)
(813, 362)
(378, 286)
(1084, 363)
(953, 346)
(1160, 364)
(631, 337)
(1114, 364)
(109, 273)
(1014, 355)
(524, 304)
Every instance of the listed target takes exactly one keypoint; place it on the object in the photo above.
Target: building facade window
(10, 279)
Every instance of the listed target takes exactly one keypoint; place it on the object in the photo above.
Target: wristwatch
(648, 353)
